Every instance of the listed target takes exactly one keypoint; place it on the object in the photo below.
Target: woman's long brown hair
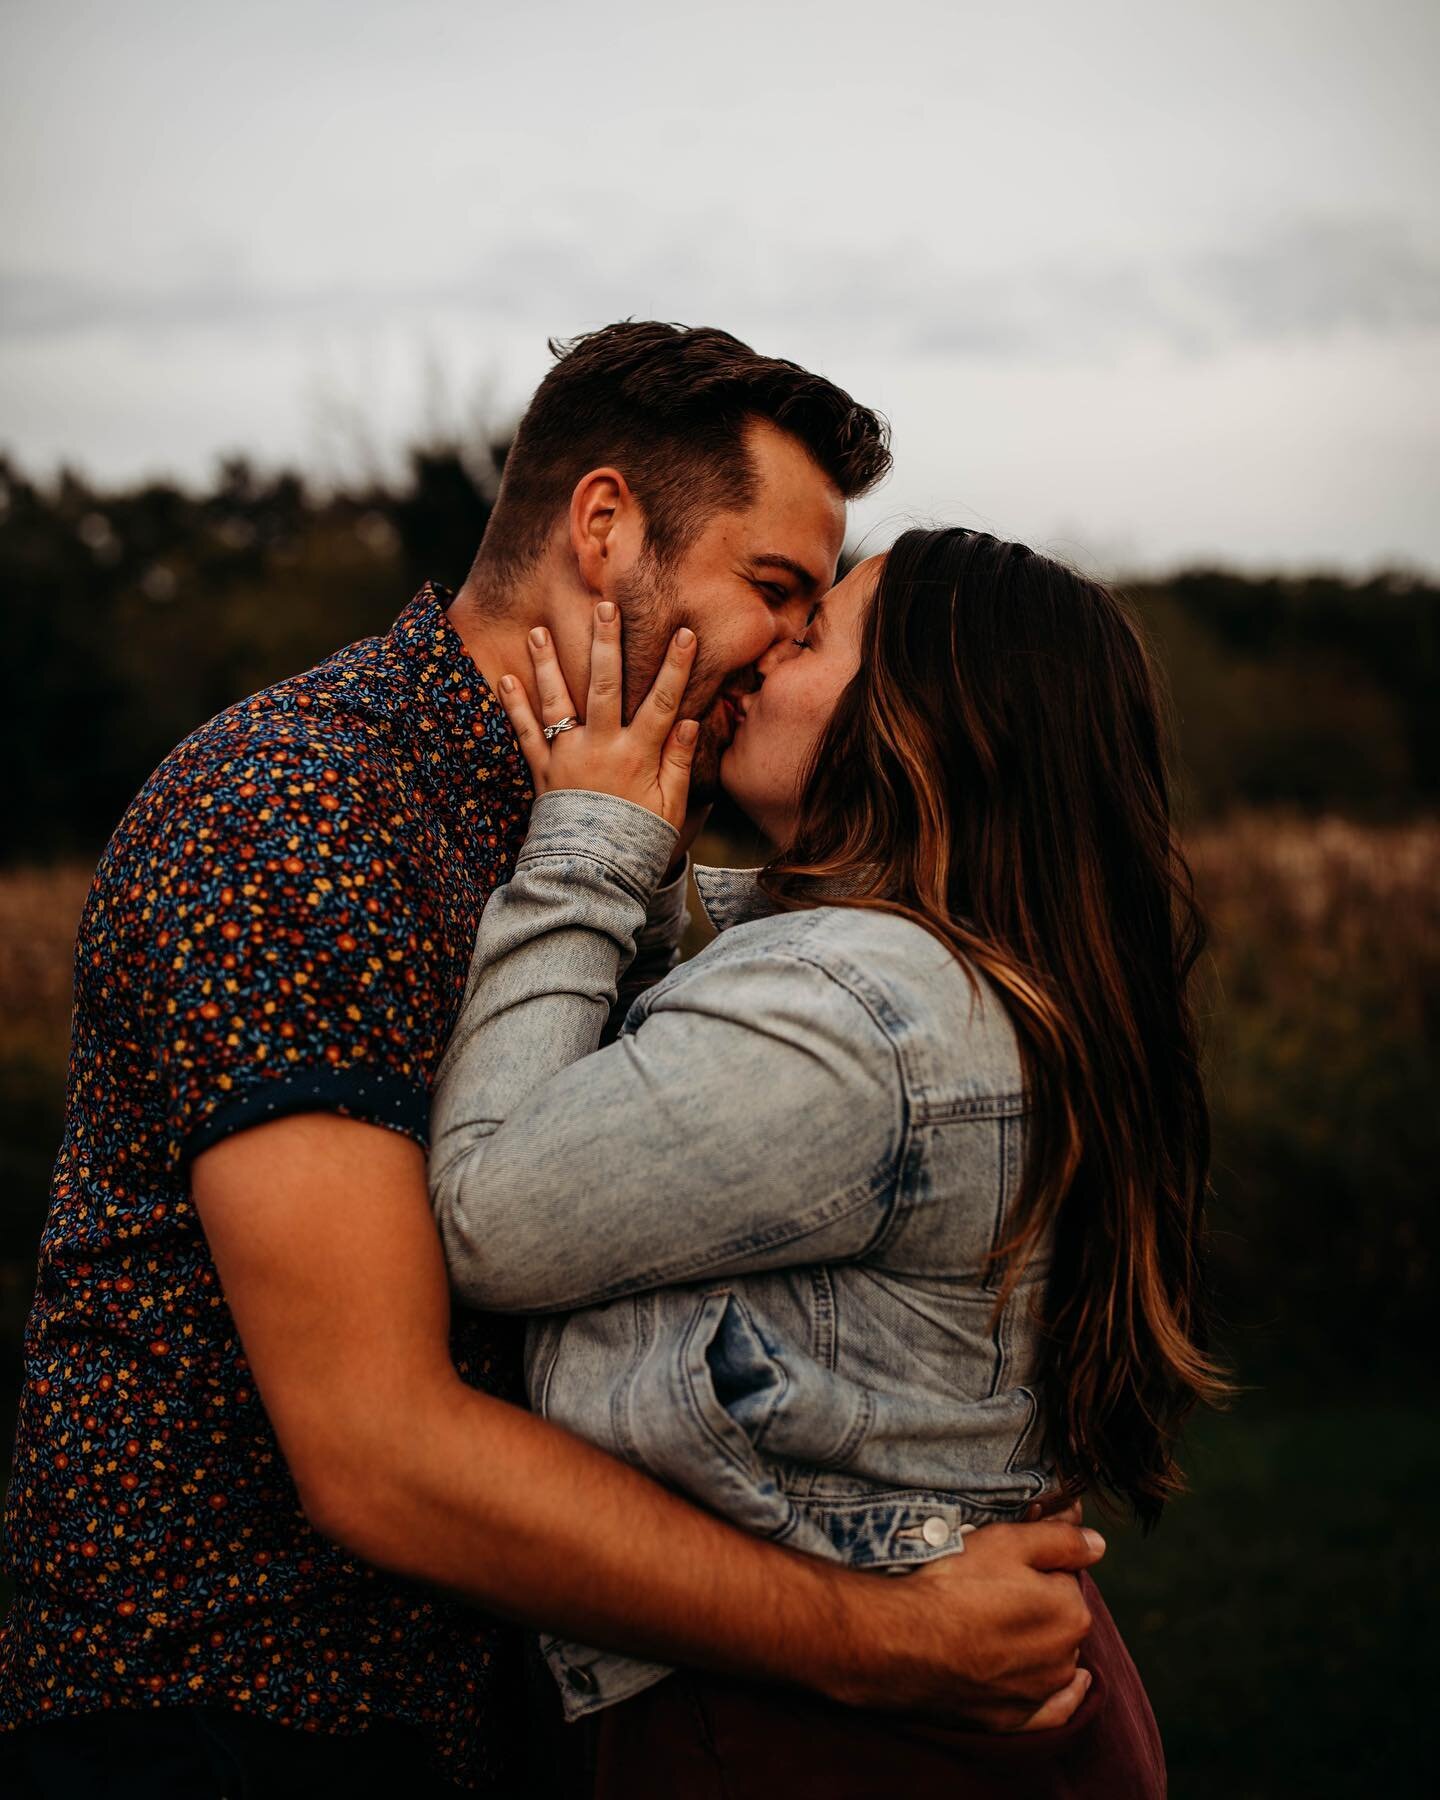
(996, 772)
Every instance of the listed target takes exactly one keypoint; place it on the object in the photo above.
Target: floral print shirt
(282, 922)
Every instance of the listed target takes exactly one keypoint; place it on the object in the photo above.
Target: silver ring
(566, 724)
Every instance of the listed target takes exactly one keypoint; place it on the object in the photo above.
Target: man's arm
(321, 1231)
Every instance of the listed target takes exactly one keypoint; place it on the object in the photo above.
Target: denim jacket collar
(731, 896)
(734, 896)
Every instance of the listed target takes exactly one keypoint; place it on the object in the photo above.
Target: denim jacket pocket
(723, 1355)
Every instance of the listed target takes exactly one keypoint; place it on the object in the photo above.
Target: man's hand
(995, 1632)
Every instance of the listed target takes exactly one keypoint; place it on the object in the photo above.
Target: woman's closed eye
(804, 642)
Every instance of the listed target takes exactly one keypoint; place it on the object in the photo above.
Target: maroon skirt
(711, 1739)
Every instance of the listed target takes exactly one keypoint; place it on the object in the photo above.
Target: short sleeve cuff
(372, 1096)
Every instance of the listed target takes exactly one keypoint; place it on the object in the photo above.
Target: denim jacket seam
(542, 1403)
(1003, 1206)
(919, 1115)
(929, 1499)
(855, 985)
(963, 1108)
(909, 1162)
(1029, 1425)
(899, 1207)
(628, 880)
(824, 1336)
(854, 1437)
(625, 1387)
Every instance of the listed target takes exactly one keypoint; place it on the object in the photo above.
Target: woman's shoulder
(919, 995)
(884, 944)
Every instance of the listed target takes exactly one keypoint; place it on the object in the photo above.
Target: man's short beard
(651, 612)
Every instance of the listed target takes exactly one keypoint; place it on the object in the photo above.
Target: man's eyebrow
(773, 560)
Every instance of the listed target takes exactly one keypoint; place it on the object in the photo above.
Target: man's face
(748, 581)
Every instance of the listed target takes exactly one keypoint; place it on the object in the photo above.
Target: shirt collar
(466, 752)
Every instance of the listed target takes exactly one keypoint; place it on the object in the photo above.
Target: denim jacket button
(935, 1532)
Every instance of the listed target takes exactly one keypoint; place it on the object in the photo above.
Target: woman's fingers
(602, 707)
(525, 726)
(555, 701)
(649, 762)
(675, 762)
(655, 718)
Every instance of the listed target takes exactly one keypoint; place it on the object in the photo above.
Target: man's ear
(604, 520)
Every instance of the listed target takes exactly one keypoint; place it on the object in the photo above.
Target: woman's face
(781, 722)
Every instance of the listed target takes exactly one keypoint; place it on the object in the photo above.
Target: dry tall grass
(39, 912)
(1326, 899)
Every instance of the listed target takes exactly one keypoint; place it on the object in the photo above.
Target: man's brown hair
(668, 406)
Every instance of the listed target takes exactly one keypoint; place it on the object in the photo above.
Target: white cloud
(1305, 278)
(1019, 228)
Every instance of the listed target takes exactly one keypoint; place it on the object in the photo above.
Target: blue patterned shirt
(282, 922)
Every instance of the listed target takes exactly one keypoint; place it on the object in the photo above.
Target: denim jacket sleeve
(753, 1120)
(657, 948)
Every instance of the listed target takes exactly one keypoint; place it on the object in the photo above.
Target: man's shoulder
(309, 760)
(340, 711)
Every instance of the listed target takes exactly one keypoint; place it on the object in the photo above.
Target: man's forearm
(534, 1524)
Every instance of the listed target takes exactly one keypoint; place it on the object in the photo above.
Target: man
(259, 1501)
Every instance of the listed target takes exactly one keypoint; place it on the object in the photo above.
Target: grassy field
(1282, 1612)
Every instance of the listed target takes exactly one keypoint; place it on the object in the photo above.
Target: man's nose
(780, 651)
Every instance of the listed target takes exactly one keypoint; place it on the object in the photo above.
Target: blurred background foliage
(1309, 758)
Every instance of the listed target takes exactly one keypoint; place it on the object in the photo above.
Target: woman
(880, 1219)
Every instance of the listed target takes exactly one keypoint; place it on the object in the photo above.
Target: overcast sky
(1135, 280)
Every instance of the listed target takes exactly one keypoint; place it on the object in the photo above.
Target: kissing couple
(433, 1260)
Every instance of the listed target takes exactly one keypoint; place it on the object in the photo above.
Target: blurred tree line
(133, 615)
(1313, 692)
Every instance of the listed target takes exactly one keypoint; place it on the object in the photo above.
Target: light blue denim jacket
(757, 1223)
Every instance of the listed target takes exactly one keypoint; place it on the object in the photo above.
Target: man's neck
(494, 626)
